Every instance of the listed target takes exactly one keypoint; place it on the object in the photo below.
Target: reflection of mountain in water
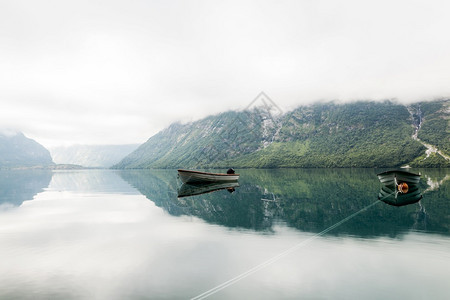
(17, 186)
(307, 199)
(239, 209)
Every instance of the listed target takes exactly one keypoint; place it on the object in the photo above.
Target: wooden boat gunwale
(397, 171)
(188, 176)
(398, 176)
(207, 173)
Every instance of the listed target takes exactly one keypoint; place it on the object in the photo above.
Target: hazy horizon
(118, 72)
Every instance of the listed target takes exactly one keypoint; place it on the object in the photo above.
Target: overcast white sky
(116, 72)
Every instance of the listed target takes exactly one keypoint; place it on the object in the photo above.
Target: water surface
(101, 234)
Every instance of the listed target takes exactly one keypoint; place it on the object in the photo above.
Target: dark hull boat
(194, 189)
(397, 176)
(399, 188)
(391, 195)
(188, 176)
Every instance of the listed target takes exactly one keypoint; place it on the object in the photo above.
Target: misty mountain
(204, 142)
(359, 134)
(93, 156)
(16, 150)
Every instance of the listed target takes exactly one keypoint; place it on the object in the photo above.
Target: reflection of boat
(188, 176)
(391, 195)
(398, 176)
(299, 194)
(202, 188)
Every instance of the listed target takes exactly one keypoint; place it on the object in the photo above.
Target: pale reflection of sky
(121, 246)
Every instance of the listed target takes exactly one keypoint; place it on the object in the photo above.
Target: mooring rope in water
(281, 255)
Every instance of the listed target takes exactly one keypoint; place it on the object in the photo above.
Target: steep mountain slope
(359, 134)
(206, 142)
(432, 121)
(16, 150)
(94, 156)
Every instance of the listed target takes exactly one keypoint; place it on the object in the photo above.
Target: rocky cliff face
(16, 150)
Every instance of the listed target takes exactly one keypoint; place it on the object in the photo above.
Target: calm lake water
(282, 234)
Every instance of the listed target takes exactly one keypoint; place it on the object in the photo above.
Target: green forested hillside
(433, 120)
(436, 124)
(359, 134)
(362, 134)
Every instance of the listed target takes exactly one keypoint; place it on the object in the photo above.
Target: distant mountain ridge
(359, 134)
(91, 156)
(16, 150)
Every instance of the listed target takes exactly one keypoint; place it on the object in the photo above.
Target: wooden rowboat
(188, 176)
